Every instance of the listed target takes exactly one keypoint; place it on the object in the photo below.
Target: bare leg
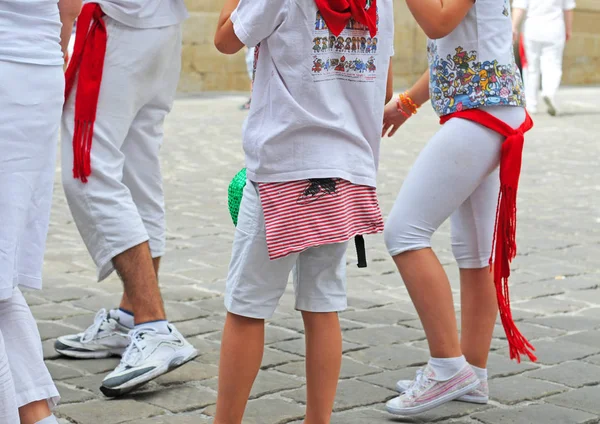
(429, 289)
(137, 271)
(479, 310)
(34, 412)
(242, 348)
(323, 363)
(125, 303)
(156, 264)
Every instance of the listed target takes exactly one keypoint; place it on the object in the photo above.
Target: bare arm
(225, 39)
(393, 118)
(419, 92)
(439, 18)
(69, 11)
(517, 19)
(569, 23)
(389, 90)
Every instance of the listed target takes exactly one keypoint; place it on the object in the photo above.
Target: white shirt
(30, 32)
(545, 18)
(474, 66)
(144, 13)
(317, 106)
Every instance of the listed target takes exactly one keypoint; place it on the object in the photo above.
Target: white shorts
(24, 377)
(122, 204)
(255, 283)
(31, 98)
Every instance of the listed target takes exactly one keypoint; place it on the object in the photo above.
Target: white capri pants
(544, 60)
(24, 377)
(122, 204)
(456, 177)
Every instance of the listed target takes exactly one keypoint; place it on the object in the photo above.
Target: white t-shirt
(30, 32)
(545, 18)
(474, 65)
(144, 13)
(317, 104)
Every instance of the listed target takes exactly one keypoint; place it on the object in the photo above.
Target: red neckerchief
(86, 65)
(504, 247)
(337, 13)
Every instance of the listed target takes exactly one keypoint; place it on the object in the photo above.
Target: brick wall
(204, 69)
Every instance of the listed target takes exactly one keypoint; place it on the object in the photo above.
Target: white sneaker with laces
(105, 337)
(149, 355)
(479, 395)
(427, 392)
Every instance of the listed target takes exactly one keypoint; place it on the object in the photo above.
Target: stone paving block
(52, 330)
(113, 412)
(585, 399)
(550, 352)
(91, 366)
(192, 418)
(350, 369)
(199, 326)
(81, 322)
(274, 335)
(268, 411)
(551, 305)
(531, 331)
(449, 411)
(359, 417)
(572, 374)
(591, 296)
(592, 313)
(297, 347)
(214, 305)
(593, 359)
(95, 303)
(178, 399)
(91, 383)
(569, 322)
(529, 414)
(388, 379)
(273, 358)
(516, 389)
(190, 372)
(385, 316)
(267, 382)
(535, 289)
(70, 395)
(503, 366)
(32, 298)
(383, 335)
(391, 357)
(180, 293)
(62, 294)
(589, 338)
(51, 311)
(48, 349)
(350, 394)
(59, 372)
(181, 312)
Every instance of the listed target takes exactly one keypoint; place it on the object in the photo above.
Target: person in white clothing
(548, 26)
(31, 99)
(120, 86)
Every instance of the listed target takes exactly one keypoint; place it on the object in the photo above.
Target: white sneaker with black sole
(149, 355)
(551, 106)
(104, 338)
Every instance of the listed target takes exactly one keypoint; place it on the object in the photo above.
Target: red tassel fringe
(82, 146)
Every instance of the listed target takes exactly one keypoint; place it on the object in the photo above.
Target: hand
(392, 118)
(515, 35)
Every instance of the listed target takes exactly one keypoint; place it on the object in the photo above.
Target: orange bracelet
(408, 103)
(401, 109)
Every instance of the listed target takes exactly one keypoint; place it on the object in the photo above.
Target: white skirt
(31, 99)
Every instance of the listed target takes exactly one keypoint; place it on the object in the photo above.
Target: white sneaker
(479, 395)
(427, 393)
(550, 105)
(149, 355)
(104, 338)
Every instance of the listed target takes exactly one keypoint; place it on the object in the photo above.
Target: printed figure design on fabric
(351, 56)
(506, 10)
(256, 51)
(462, 82)
(316, 189)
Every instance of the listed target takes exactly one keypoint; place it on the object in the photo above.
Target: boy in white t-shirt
(312, 148)
(120, 86)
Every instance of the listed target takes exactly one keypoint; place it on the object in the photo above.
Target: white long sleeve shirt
(545, 18)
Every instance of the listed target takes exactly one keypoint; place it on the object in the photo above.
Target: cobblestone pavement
(556, 288)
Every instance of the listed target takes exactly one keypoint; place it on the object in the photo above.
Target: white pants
(543, 58)
(122, 204)
(456, 177)
(31, 98)
(24, 377)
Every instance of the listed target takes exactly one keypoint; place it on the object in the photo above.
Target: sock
(161, 326)
(125, 317)
(48, 420)
(481, 372)
(446, 368)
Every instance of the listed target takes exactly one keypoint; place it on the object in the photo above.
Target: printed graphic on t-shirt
(351, 56)
(506, 10)
(461, 82)
(256, 52)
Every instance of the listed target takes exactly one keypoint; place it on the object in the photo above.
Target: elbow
(438, 32)
(389, 96)
(227, 43)
(224, 47)
(70, 10)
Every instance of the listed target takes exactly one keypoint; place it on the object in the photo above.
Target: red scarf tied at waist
(86, 65)
(504, 247)
(337, 13)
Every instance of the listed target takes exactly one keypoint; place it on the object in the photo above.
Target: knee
(470, 256)
(402, 235)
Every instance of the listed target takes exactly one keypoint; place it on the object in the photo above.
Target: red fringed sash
(86, 65)
(504, 247)
(337, 13)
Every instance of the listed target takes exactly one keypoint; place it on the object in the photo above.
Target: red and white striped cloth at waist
(310, 213)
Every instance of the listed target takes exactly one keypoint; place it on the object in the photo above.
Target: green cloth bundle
(234, 194)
